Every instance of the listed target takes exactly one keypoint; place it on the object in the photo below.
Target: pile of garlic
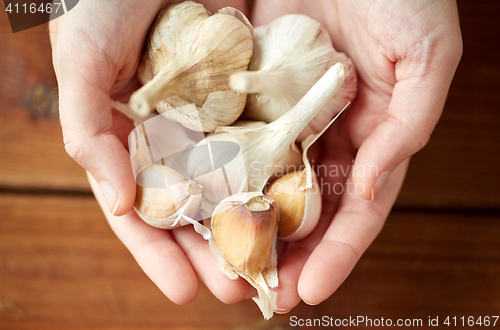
(289, 79)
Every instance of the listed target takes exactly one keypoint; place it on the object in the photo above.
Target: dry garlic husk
(290, 55)
(166, 199)
(243, 242)
(271, 148)
(299, 195)
(188, 59)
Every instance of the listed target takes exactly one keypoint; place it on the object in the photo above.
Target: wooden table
(61, 267)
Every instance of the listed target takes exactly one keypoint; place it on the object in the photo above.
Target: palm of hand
(391, 46)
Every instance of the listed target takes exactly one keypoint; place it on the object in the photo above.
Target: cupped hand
(406, 53)
(97, 47)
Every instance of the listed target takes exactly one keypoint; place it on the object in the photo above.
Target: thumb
(86, 120)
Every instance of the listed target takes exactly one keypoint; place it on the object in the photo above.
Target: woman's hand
(406, 53)
(97, 47)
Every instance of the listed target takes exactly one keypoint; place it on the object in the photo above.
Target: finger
(415, 107)
(198, 252)
(292, 261)
(290, 265)
(355, 226)
(155, 251)
(84, 80)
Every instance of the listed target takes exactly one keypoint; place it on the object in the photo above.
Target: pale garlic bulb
(165, 198)
(188, 59)
(290, 55)
(243, 242)
(298, 195)
(265, 149)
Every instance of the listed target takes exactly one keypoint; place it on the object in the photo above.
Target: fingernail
(379, 183)
(310, 304)
(110, 195)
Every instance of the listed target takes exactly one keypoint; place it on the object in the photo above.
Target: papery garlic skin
(188, 59)
(290, 55)
(164, 196)
(243, 242)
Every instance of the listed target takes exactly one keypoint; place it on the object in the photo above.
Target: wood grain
(62, 267)
(31, 148)
(459, 166)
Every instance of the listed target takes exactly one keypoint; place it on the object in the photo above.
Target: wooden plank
(31, 148)
(457, 169)
(61, 267)
(459, 166)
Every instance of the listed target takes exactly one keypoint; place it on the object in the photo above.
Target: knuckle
(74, 149)
(80, 149)
(421, 141)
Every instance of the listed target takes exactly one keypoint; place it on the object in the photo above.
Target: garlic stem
(125, 110)
(289, 126)
(304, 111)
(145, 99)
(258, 81)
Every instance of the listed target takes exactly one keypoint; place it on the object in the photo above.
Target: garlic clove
(299, 195)
(188, 59)
(290, 55)
(244, 229)
(300, 206)
(165, 198)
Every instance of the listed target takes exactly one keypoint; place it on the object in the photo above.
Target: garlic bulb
(290, 55)
(244, 228)
(166, 199)
(188, 59)
(271, 148)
